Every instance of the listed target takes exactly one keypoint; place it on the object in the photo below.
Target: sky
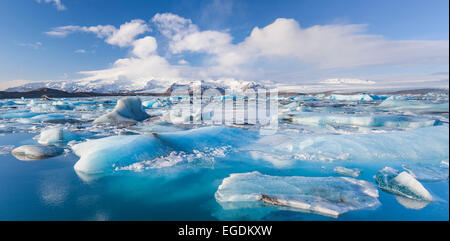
(287, 43)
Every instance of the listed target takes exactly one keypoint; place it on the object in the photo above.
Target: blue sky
(29, 52)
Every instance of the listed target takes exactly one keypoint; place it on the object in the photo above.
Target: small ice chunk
(127, 110)
(36, 152)
(355, 172)
(428, 172)
(56, 136)
(51, 136)
(402, 184)
(152, 103)
(329, 196)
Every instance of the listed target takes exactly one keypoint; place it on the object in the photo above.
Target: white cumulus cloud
(123, 36)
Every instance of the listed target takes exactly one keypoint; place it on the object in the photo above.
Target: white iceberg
(402, 184)
(330, 196)
(36, 152)
(56, 136)
(127, 110)
(411, 203)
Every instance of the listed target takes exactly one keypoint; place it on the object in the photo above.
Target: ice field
(331, 157)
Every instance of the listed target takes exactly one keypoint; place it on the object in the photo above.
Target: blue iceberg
(329, 196)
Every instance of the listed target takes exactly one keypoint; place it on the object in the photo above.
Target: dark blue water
(51, 190)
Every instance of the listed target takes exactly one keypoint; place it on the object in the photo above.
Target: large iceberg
(127, 110)
(107, 154)
(330, 196)
(402, 184)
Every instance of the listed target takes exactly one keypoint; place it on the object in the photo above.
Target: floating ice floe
(402, 184)
(36, 152)
(427, 171)
(355, 172)
(402, 104)
(309, 118)
(107, 154)
(356, 97)
(329, 196)
(423, 144)
(127, 110)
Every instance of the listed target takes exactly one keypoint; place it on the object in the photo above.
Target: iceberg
(357, 97)
(329, 196)
(309, 118)
(128, 110)
(107, 154)
(36, 152)
(56, 136)
(402, 184)
(411, 203)
(347, 171)
(428, 172)
(402, 104)
(428, 144)
(152, 104)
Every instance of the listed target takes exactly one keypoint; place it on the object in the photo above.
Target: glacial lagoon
(332, 157)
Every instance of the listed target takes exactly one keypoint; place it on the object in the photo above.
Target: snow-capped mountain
(150, 86)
